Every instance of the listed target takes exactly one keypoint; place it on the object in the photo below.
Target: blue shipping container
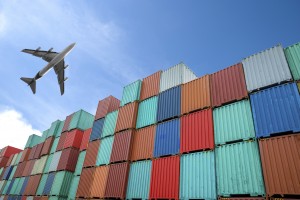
(10, 186)
(49, 183)
(276, 110)
(24, 185)
(7, 173)
(97, 129)
(169, 103)
(167, 139)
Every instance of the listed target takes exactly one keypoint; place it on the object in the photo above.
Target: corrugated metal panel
(25, 155)
(85, 139)
(228, 85)
(35, 166)
(276, 110)
(67, 123)
(68, 160)
(20, 168)
(6, 187)
(73, 187)
(121, 150)
(196, 95)
(165, 178)
(60, 128)
(131, 92)
(107, 105)
(104, 151)
(298, 86)
(38, 151)
(19, 157)
(97, 129)
(292, 54)
(81, 120)
(280, 157)
(19, 186)
(150, 86)
(198, 176)
(238, 169)
(49, 183)
(99, 182)
(116, 185)
(14, 187)
(54, 145)
(7, 173)
(28, 168)
(8, 151)
(127, 117)
(73, 139)
(32, 141)
(147, 112)
(10, 186)
(139, 180)
(110, 123)
(48, 162)
(53, 131)
(79, 164)
(61, 141)
(174, 76)
(61, 183)
(47, 146)
(14, 168)
(32, 152)
(233, 122)
(244, 198)
(266, 68)
(41, 165)
(9, 160)
(32, 185)
(197, 132)
(169, 104)
(143, 143)
(85, 183)
(54, 161)
(42, 184)
(167, 139)
(91, 153)
(3, 161)
(14, 159)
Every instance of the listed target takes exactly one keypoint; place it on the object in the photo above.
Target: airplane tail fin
(31, 82)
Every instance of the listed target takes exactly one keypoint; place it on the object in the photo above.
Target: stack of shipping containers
(233, 134)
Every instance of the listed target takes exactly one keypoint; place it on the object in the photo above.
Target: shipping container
(147, 112)
(167, 138)
(49, 183)
(62, 138)
(42, 185)
(276, 110)
(14, 187)
(42, 164)
(60, 128)
(54, 145)
(139, 180)
(107, 105)
(143, 143)
(55, 161)
(228, 85)
(91, 153)
(197, 132)
(67, 123)
(19, 157)
(25, 155)
(116, 185)
(32, 185)
(292, 54)
(169, 104)
(244, 198)
(32, 152)
(165, 178)
(48, 163)
(110, 123)
(61, 184)
(3, 161)
(280, 157)
(195, 95)
(5, 190)
(233, 122)
(97, 129)
(38, 151)
(20, 169)
(73, 187)
(14, 159)
(73, 139)
(28, 168)
(266, 68)
(8, 151)
(7, 172)
(19, 186)
(298, 86)
(121, 150)
(68, 160)
(81, 120)
(127, 117)
(99, 182)
(12, 172)
(79, 164)
(85, 183)
(47, 146)
(54, 129)
(238, 169)
(85, 139)
(131, 92)
(104, 151)
(32, 141)
(198, 176)
(9, 160)
(176, 75)
(150, 86)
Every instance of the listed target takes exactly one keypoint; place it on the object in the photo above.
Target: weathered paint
(107, 105)
(61, 183)
(150, 86)
(110, 123)
(81, 120)
(131, 92)
(73, 187)
(147, 112)
(292, 54)
(97, 129)
(104, 151)
(79, 164)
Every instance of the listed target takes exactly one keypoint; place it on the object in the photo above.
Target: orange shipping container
(85, 139)
(150, 86)
(85, 183)
(106, 106)
(127, 117)
(195, 95)
(122, 146)
(91, 153)
(143, 143)
(99, 183)
(25, 155)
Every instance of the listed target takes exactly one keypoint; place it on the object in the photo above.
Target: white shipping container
(54, 162)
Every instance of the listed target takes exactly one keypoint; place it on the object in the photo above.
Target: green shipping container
(6, 187)
(48, 163)
(79, 164)
(131, 92)
(19, 186)
(60, 127)
(33, 140)
(147, 112)
(13, 162)
(110, 124)
(104, 151)
(81, 120)
(61, 183)
(139, 180)
(54, 129)
(239, 170)
(18, 158)
(233, 122)
(54, 145)
(73, 188)
(45, 134)
(292, 54)
(14, 186)
(56, 198)
(42, 184)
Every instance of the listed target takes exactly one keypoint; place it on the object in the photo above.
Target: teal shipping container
(233, 122)
(48, 162)
(4, 191)
(18, 158)
(33, 140)
(14, 186)
(131, 92)
(54, 145)
(139, 180)
(79, 164)
(198, 176)
(56, 198)
(53, 131)
(19, 186)
(61, 183)
(147, 112)
(110, 123)
(73, 188)
(81, 120)
(292, 54)
(104, 152)
(45, 134)
(60, 128)
(42, 184)
(239, 169)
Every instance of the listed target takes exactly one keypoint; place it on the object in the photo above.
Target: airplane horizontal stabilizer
(31, 82)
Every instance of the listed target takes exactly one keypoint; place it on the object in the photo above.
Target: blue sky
(119, 42)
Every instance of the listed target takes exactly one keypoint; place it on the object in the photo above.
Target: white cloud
(15, 130)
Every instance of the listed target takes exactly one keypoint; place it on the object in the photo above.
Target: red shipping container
(3, 161)
(150, 86)
(61, 141)
(73, 139)
(67, 123)
(117, 179)
(165, 178)
(25, 155)
(197, 131)
(107, 105)
(32, 152)
(11, 157)
(32, 185)
(85, 139)
(47, 146)
(228, 85)
(28, 168)
(20, 169)
(68, 160)
(38, 151)
(127, 117)
(8, 151)
(121, 150)
(91, 153)
(85, 182)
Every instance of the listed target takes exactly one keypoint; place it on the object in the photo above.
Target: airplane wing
(45, 55)
(60, 72)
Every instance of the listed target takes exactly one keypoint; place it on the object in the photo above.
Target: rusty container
(195, 95)
(47, 146)
(150, 86)
(107, 105)
(85, 139)
(73, 139)
(85, 183)
(61, 141)
(68, 160)
(91, 153)
(121, 149)
(99, 182)
(127, 117)
(228, 85)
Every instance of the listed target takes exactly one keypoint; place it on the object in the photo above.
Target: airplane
(55, 60)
